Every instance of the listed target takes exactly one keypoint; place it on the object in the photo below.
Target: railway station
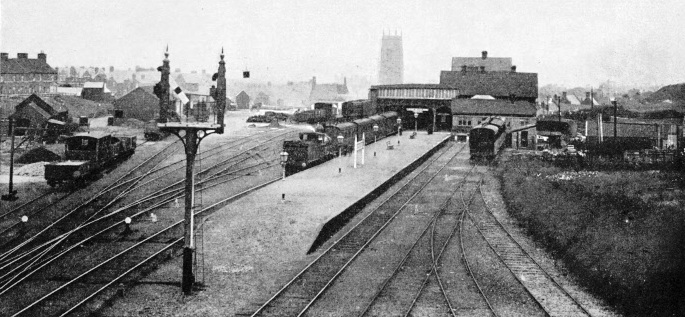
(308, 163)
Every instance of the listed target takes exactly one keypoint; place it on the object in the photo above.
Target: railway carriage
(387, 123)
(487, 138)
(365, 129)
(87, 154)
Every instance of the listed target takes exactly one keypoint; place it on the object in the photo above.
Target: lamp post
(375, 132)
(340, 140)
(399, 127)
(615, 104)
(284, 160)
(416, 122)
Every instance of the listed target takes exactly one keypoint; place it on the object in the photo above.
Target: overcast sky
(566, 42)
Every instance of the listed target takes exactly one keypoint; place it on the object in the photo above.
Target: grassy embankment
(622, 233)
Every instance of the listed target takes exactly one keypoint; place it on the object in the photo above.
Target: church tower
(391, 68)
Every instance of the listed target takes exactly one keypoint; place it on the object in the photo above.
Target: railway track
(549, 295)
(302, 291)
(13, 229)
(415, 285)
(88, 237)
(49, 228)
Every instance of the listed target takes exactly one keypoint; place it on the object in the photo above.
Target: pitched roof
(328, 92)
(572, 99)
(498, 84)
(25, 66)
(93, 84)
(486, 107)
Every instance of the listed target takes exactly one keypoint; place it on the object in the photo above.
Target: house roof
(498, 84)
(572, 99)
(495, 64)
(25, 66)
(328, 92)
(93, 84)
(486, 107)
(75, 91)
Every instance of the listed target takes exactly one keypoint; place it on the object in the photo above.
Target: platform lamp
(340, 140)
(416, 122)
(284, 160)
(375, 132)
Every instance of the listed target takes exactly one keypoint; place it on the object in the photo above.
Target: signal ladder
(199, 259)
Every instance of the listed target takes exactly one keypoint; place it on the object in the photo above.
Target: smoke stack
(22, 55)
(513, 69)
(4, 56)
(485, 54)
(42, 56)
(482, 69)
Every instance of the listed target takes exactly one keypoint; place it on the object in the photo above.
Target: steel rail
(334, 244)
(527, 255)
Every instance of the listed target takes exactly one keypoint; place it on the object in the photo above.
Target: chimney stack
(463, 68)
(513, 68)
(485, 54)
(4, 56)
(42, 56)
(22, 55)
(313, 82)
(482, 69)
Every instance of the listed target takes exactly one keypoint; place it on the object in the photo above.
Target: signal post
(190, 134)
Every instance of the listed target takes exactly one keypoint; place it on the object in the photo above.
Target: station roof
(498, 84)
(484, 107)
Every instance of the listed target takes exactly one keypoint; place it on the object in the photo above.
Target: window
(84, 142)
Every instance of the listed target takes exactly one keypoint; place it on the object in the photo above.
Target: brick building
(25, 76)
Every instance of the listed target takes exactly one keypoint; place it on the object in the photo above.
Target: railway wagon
(87, 155)
(487, 138)
(311, 148)
(357, 109)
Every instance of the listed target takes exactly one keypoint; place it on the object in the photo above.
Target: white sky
(566, 42)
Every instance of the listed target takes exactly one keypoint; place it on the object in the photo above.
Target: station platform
(256, 243)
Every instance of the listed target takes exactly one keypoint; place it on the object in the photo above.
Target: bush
(618, 232)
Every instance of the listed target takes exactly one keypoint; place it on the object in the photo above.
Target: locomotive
(316, 147)
(87, 155)
(487, 138)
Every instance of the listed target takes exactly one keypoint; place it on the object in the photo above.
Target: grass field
(620, 232)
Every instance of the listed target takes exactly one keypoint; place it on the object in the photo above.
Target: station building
(475, 88)
(430, 102)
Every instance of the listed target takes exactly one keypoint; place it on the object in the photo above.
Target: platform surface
(256, 243)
